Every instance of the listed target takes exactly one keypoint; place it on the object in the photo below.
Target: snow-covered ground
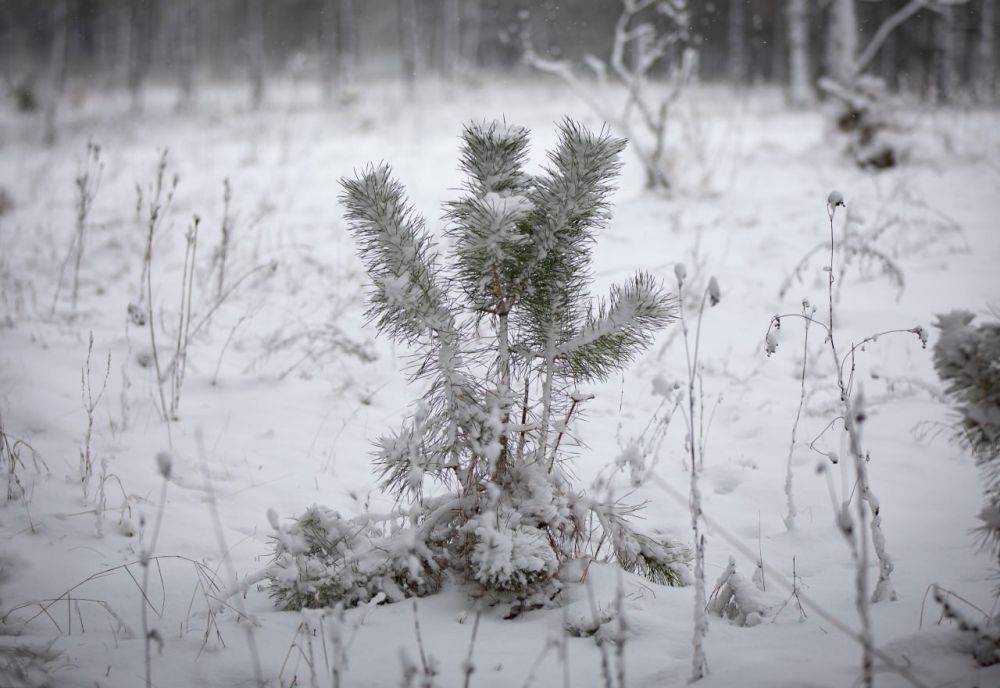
(286, 386)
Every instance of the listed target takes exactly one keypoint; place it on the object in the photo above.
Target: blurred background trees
(945, 51)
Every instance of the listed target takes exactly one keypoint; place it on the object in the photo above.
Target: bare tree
(650, 46)
(57, 68)
(986, 53)
(800, 91)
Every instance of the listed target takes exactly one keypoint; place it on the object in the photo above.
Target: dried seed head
(713, 292)
(164, 463)
(835, 200)
(681, 272)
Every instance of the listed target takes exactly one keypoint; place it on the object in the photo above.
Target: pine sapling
(503, 333)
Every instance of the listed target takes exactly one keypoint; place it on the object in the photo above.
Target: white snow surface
(284, 428)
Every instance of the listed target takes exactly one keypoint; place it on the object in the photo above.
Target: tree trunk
(134, 23)
(186, 44)
(331, 47)
(986, 53)
(800, 91)
(408, 43)
(57, 69)
(450, 39)
(255, 52)
(737, 54)
(471, 19)
(348, 40)
(947, 46)
(842, 40)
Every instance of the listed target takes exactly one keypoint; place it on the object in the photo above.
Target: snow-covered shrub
(741, 601)
(503, 331)
(863, 112)
(967, 359)
(323, 558)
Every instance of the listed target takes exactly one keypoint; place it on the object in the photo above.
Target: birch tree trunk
(800, 91)
(842, 40)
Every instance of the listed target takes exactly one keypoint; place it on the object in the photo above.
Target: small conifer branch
(618, 329)
(407, 303)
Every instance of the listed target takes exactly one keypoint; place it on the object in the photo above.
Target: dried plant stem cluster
(855, 529)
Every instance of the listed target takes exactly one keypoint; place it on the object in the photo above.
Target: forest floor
(286, 386)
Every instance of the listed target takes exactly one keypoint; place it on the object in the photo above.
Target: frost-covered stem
(148, 263)
(574, 402)
(224, 241)
(503, 353)
(144, 559)
(620, 618)
(884, 589)
(853, 421)
(468, 667)
(831, 211)
(89, 406)
(543, 428)
(179, 364)
(524, 419)
(789, 497)
(233, 580)
(698, 661)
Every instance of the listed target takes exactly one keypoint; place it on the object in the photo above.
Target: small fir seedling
(504, 330)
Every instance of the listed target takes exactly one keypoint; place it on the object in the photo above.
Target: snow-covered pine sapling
(503, 330)
(845, 376)
(965, 357)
